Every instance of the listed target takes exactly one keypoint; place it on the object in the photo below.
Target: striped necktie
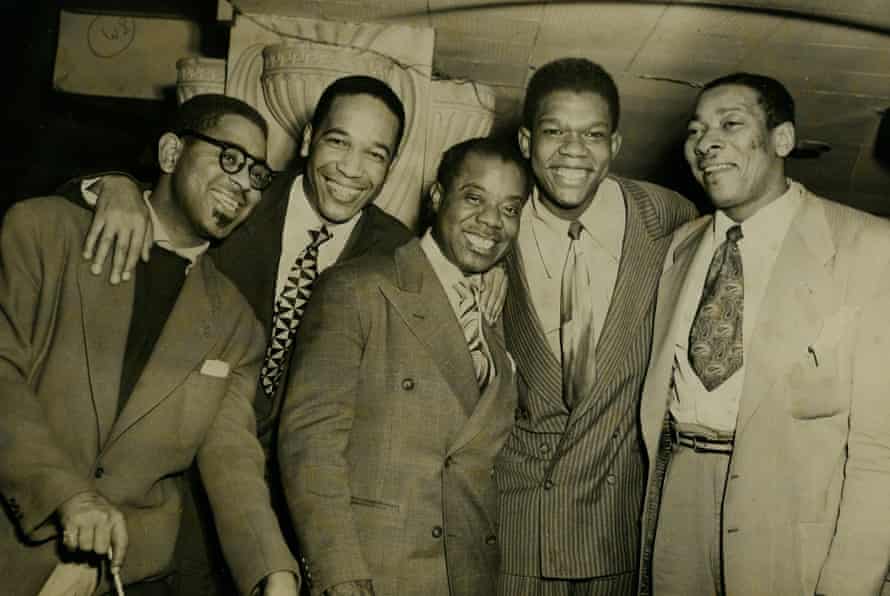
(289, 309)
(470, 319)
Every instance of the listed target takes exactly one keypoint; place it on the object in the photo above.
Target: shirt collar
(597, 221)
(768, 225)
(162, 237)
(304, 212)
(447, 272)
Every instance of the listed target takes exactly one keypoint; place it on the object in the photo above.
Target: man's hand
(494, 292)
(281, 583)
(121, 219)
(360, 587)
(91, 524)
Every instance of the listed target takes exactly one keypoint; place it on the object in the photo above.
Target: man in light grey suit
(401, 396)
(765, 411)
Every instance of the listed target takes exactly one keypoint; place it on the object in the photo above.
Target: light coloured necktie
(715, 338)
(576, 334)
(470, 319)
(289, 309)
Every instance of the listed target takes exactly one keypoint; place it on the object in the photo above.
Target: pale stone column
(198, 75)
(280, 65)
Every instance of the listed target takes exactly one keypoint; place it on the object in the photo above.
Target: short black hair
(203, 112)
(360, 85)
(506, 151)
(579, 75)
(773, 97)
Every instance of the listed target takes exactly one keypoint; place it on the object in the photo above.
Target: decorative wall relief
(461, 110)
(197, 75)
(280, 65)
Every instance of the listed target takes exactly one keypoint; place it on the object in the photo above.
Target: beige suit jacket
(63, 332)
(806, 503)
(386, 446)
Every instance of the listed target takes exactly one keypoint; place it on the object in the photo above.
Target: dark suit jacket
(805, 509)
(572, 481)
(386, 447)
(63, 333)
(250, 255)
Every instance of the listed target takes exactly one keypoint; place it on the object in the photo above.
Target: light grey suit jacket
(806, 503)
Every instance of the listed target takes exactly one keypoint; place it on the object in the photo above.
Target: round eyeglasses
(233, 158)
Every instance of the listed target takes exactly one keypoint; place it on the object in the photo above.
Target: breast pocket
(201, 397)
(818, 377)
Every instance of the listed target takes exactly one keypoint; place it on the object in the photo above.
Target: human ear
(169, 150)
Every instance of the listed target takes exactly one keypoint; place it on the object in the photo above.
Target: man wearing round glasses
(109, 393)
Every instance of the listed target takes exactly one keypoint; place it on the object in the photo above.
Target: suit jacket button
(545, 447)
(491, 539)
(610, 478)
(548, 484)
(408, 384)
(100, 471)
(437, 531)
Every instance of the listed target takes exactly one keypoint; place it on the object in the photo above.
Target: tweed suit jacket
(63, 333)
(250, 257)
(805, 507)
(386, 446)
(572, 481)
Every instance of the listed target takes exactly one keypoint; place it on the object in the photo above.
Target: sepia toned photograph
(446, 298)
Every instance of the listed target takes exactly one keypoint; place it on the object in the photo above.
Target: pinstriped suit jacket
(572, 481)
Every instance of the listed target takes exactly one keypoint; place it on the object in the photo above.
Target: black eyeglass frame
(259, 180)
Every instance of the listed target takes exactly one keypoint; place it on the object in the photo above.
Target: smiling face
(732, 153)
(211, 202)
(571, 146)
(349, 156)
(477, 216)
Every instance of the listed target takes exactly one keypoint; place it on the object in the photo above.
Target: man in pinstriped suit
(572, 473)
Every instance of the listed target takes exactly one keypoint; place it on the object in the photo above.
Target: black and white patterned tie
(289, 309)
(471, 322)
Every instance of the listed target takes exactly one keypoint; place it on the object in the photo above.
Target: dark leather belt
(701, 443)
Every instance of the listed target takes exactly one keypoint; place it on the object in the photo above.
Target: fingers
(85, 537)
(119, 542)
(121, 256)
(147, 241)
(69, 539)
(101, 539)
(92, 238)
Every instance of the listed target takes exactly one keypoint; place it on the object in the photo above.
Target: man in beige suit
(765, 411)
(107, 393)
(401, 396)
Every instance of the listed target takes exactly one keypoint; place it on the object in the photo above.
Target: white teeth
(574, 174)
(479, 243)
(342, 193)
(716, 168)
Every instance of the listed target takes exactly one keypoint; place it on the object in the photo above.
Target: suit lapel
(655, 392)
(494, 401)
(638, 274)
(106, 311)
(800, 292)
(186, 338)
(420, 300)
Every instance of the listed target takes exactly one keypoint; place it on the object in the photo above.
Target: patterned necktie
(577, 339)
(289, 309)
(715, 339)
(470, 319)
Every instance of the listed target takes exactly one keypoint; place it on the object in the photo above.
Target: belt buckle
(695, 446)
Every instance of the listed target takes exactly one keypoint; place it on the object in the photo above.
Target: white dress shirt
(544, 242)
(448, 273)
(299, 219)
(762, 237)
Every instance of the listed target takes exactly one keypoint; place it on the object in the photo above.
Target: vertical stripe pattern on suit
(572, 482)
